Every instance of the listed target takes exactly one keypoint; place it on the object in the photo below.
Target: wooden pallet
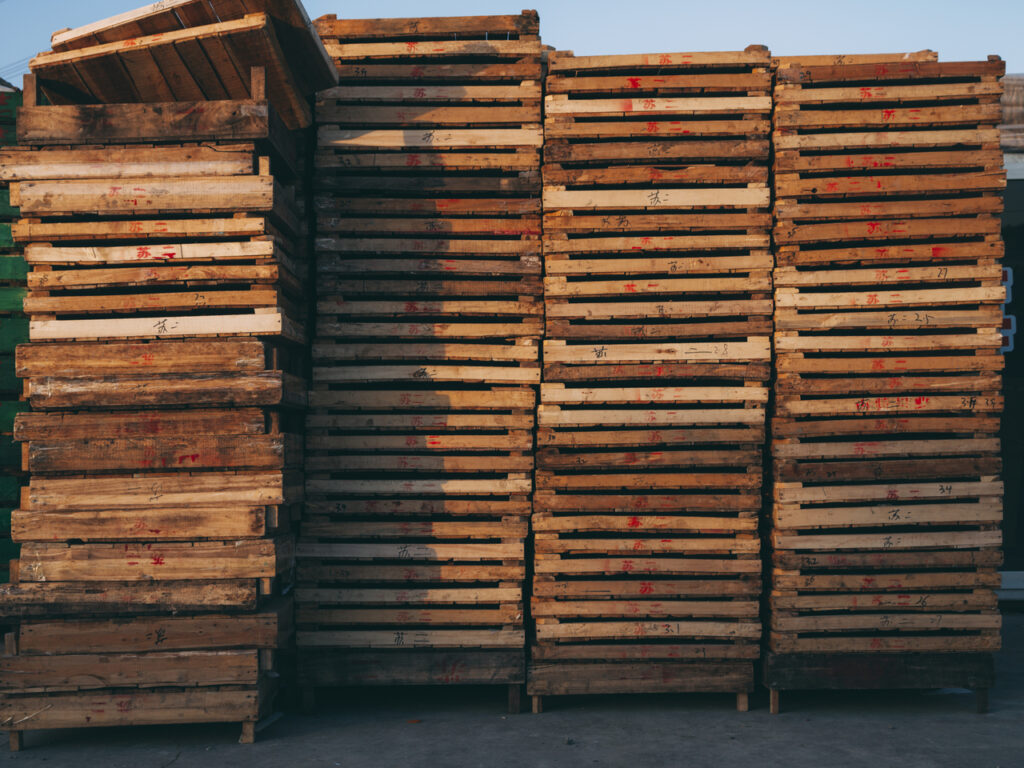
(190, 50)
(164, 445)
(786, 672)
(211, 668)
(886, 457)
(426, 356)
(193, 281)
(657, 296)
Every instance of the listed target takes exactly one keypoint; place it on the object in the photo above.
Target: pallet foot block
(657, 353)
(887, 499)
(419, 441)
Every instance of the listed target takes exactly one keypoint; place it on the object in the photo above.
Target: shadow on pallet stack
(656, 360)
(887, 500)
(425, 363)
(13, 330)
(165, 372)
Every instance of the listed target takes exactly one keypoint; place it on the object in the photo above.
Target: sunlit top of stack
(190, 50)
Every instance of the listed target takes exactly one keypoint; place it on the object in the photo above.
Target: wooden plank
(607, 566)
(897, 70)
(74, 672)
(517, 70)
(145, 634)
(691, 82)
(434, 551)
(138, 229)
(237, 120)
(412, 638)
(564, 677)
(650, 480)
(421, 487)
(896, 342)
(122, 424)
(412, 666)
(228, 522)
(562, 61)
(554, 393)
(164, 327)
(657, 588)
(559, 286)
(375, 596)
(416, 399)
(77, 710)
(887, 621)
(245, 559)
(885, 139)
(433, 49)
(228, 194)
(649, 546)
(557, 105)
(892, 492)
(155, 357)
(757, 349)
(428, 137)
(655, 198)
(629, 630)
(407, 617)
(438, 373)
(133, 162)
(247, 389)
(216, 489)
(553, 416)
(663, 151)
(191, 275)
(102, 454)
(898, 93)
(71, 599)
(887, 541)
(323, 527)
(647, 609)
(117, 254)
(410, 573)
(442, 26)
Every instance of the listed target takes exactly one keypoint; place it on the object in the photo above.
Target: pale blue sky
(957, 30)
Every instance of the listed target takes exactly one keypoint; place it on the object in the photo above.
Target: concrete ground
(409, 728)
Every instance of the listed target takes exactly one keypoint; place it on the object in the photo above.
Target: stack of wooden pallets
(165, 372)
(13, 330)
(887, 499)
(656, 359)
(425, 362)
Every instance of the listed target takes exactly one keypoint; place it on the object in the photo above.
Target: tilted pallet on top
(425, 363)
(656, 359)
(13, 330)
(887, 500)
(168, 279)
